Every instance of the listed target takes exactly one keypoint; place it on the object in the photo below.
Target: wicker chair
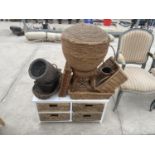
(134, 48)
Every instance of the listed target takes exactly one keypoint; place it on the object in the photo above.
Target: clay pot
(84, 46)
(42, 71)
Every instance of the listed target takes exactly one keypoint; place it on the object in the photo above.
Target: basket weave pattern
(115, 80)
(85, 107)
(53, 107)
(84, 57)
(82, 117)
(85, 47)
(54, 117)
(65, 80)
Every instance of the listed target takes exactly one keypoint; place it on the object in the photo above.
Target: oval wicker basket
(84, 46)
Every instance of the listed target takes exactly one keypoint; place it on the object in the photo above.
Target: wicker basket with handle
(109, 82)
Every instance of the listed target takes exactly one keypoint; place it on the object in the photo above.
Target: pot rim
(46, 68)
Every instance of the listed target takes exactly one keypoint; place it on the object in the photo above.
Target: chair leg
(152, 106)
(117, 100)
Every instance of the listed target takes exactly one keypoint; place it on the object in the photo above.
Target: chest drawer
(86, 107)
(54, 117)
(53, 107)
(86, 117)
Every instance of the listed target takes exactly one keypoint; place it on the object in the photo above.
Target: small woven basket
(111, 81)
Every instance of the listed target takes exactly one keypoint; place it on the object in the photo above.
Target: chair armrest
(153, 62)
(151, 55)
(113, 49)
(121, 60)
(112, 38)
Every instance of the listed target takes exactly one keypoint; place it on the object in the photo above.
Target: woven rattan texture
(113, 81)
(84, 46)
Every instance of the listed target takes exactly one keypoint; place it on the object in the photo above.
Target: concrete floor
(20, 115)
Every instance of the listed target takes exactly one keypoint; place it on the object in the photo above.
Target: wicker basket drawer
(53, 107)
(86, 107)
(54, 117)
(86, 117)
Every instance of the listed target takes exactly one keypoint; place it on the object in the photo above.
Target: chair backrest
(134, 44)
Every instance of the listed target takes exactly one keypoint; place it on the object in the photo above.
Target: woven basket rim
(106, 38)
(84, 43)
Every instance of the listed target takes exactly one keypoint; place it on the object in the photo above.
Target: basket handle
(88, 105)
(121, 59)
(86, 115)
(54, 115)
(53, 105)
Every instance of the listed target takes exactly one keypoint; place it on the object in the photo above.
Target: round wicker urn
(84, 46)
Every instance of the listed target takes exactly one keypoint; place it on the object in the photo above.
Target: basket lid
(85, 34)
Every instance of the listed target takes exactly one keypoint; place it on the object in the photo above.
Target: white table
(59, 106)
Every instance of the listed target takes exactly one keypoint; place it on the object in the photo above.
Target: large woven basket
(84, 46)
(113, 80)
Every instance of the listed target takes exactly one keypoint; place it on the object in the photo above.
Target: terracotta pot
(84, 46)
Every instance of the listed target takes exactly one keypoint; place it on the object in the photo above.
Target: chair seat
(138, 80)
